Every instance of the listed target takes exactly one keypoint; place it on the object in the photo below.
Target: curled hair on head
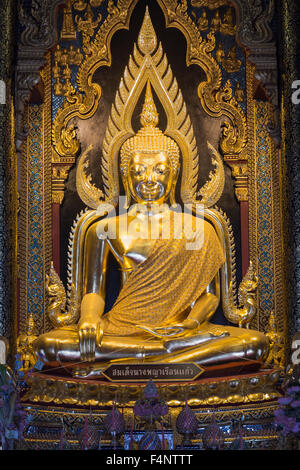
(147, 143)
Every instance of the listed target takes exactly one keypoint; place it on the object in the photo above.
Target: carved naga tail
(245, 312)
(56, 309)
(239, 311)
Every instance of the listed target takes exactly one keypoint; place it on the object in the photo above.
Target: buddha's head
(150, 160)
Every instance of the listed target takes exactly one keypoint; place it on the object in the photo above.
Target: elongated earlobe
(127, 195)
(172, 196)
(172, 199)
(127, 201)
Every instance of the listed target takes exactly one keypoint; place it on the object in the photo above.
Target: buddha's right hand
(90, 333)
(90, 329)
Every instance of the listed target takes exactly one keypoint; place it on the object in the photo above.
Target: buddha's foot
(86, 372)
(193, 341)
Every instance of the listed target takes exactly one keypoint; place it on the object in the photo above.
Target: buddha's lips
(152, 192)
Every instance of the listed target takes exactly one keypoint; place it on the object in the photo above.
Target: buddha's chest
(132, 245)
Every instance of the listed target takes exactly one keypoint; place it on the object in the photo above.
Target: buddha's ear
(127, 201)
(127, 193)
(176, 173)
(172, 196)
(126, 188)
(172, 192)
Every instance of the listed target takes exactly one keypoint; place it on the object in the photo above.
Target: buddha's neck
(142, 211)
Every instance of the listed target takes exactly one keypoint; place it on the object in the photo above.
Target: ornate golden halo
(149, 64)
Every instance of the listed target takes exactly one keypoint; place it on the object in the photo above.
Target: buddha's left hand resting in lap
(170, 282)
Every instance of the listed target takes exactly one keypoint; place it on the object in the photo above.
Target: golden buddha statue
(227, 26)
(169, 292)
(24, 345)
(231, 63)
(239, 93)
(216, 22)
(203, 21)
(172, 266)
(220, 53)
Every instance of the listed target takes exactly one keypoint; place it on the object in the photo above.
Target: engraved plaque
(159, 372)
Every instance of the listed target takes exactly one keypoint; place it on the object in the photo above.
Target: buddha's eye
(138, 170)
(161, 170)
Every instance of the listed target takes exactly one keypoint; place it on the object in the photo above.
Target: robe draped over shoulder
(161, 288)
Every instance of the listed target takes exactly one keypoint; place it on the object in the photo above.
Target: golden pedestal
(55, 402)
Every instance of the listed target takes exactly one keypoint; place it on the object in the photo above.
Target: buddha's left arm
(205, 306)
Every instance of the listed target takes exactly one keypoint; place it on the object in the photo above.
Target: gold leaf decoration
(87, 192)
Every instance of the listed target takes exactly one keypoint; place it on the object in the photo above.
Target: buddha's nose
(150, 178)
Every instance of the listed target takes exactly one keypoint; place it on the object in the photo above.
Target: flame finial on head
(149, 116)
(149, 139)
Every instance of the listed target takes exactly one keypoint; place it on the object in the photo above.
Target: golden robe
(159, 290)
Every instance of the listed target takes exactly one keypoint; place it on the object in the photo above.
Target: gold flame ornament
(149, 65)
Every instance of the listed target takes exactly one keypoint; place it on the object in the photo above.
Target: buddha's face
(150, 177)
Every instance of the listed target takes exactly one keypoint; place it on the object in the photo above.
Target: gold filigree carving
(60, 56)
(84, 103)
(232, 134)
(63, 85)
(252, 388)
(224, 25)
(79, 5)
(216, 101)
(112, 9)
(277, 353)
(59, 176)
(58, 197)
(242, 193)
(41, 117)
(87, 25)
(147, 40)
(87, 192)
(247, 307)
(213, 188)
(68, 56)
(240, 174)
(149, 64)
(96, 3)
(67, 136)
(211, 4)
(68, 29)
(215, 22)
(60, 172)
(220, 53)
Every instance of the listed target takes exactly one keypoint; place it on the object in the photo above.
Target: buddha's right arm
(93, 294)
(92, 305)
(94, 274)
